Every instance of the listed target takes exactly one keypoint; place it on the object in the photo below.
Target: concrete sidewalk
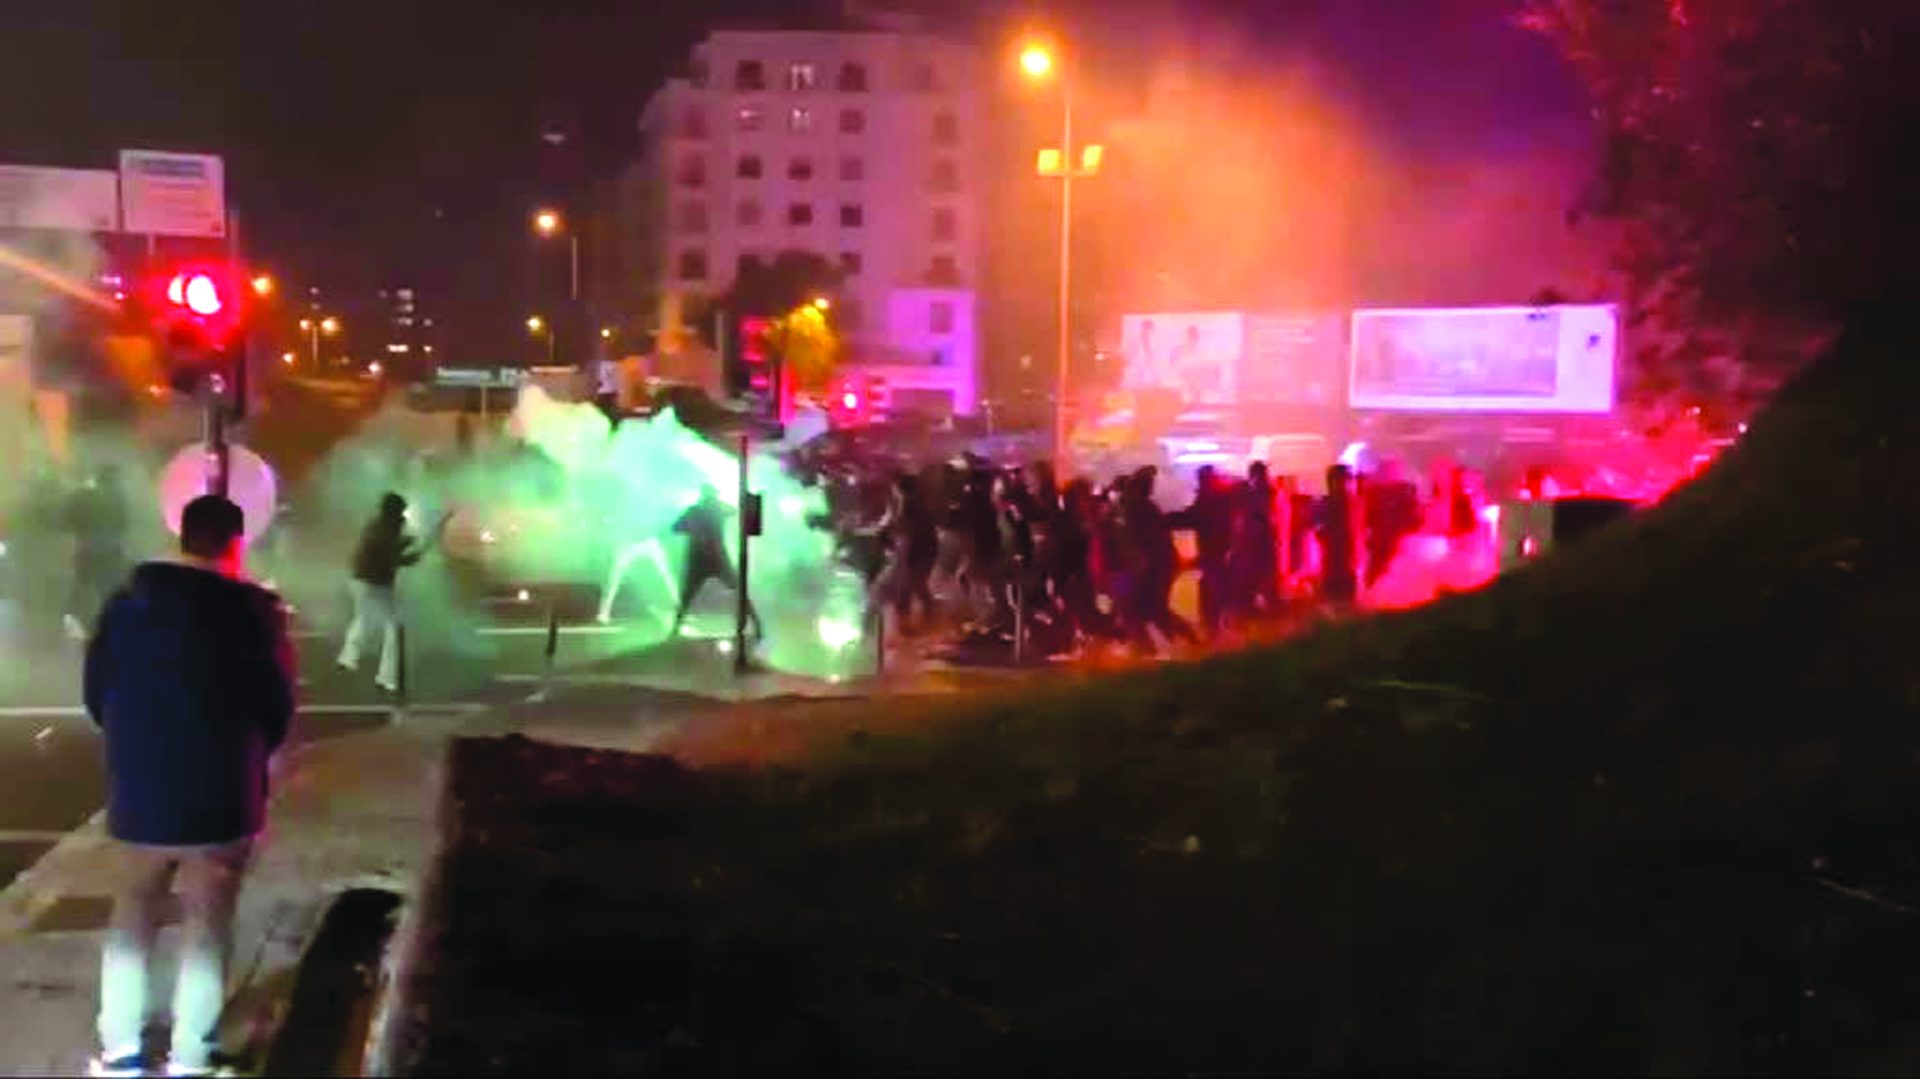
(351, 812)
(347, 813)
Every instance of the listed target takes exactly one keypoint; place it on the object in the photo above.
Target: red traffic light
(198, 292)
(197, 305)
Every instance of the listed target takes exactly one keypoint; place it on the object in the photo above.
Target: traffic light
(851, 401)
(199, 312)
(759, 368)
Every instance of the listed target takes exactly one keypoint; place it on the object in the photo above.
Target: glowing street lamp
(606, 333)
(822, 304)
(263, 285)
(1036, 61)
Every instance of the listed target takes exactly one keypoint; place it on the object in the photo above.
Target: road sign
(169, 194)
(72, 200)
(250, 484)
(480, 377)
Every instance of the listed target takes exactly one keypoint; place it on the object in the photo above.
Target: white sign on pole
(250, 484)
(73, 200)
(168, 194)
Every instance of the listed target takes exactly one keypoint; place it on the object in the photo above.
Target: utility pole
(742, 603)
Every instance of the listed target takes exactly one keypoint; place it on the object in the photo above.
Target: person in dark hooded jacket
(383, 551)
(190, 676)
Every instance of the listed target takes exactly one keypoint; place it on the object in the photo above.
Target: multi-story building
(409, 345)
(862, 146)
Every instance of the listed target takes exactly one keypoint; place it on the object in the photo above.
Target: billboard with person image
(1195, 355)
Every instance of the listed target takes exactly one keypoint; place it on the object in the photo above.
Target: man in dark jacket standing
(190, 676)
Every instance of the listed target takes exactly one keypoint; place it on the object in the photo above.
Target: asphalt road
(51, 774)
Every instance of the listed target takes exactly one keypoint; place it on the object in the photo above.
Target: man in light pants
(190, 676)
(384, 548)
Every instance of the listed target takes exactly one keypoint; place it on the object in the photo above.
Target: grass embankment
(1648, 805)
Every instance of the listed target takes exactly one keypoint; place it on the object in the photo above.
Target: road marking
(70, 711)
(16, 835)
(541, 631)
(588, 630)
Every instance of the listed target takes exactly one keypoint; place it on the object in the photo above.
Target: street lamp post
(549, 223)
(1039, 63)
(315, 327)
(538, 327)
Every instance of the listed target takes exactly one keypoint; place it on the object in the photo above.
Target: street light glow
(287, 358)
(821, 303)
(535, 324)
(329, 325)
(547, 222)
(606, 333)
(306, 324)
(1036, 61)
(263, 284)
(373, 368)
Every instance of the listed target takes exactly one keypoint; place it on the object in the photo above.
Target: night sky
(378, 142)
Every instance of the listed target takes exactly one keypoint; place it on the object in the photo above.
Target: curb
(31, 894)
(385, 1050)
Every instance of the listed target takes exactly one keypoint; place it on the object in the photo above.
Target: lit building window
(801, 77)
(800, 121)
(750, 118)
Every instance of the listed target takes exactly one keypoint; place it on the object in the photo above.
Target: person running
(383, 551)
(1156, 565)
(190, 677)
(1211, 519)
(912, 547)
(704, 525)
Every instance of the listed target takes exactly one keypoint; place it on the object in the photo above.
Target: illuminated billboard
(1485, 359)
(1194, 355)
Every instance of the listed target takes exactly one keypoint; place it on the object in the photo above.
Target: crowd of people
(1012, 553)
